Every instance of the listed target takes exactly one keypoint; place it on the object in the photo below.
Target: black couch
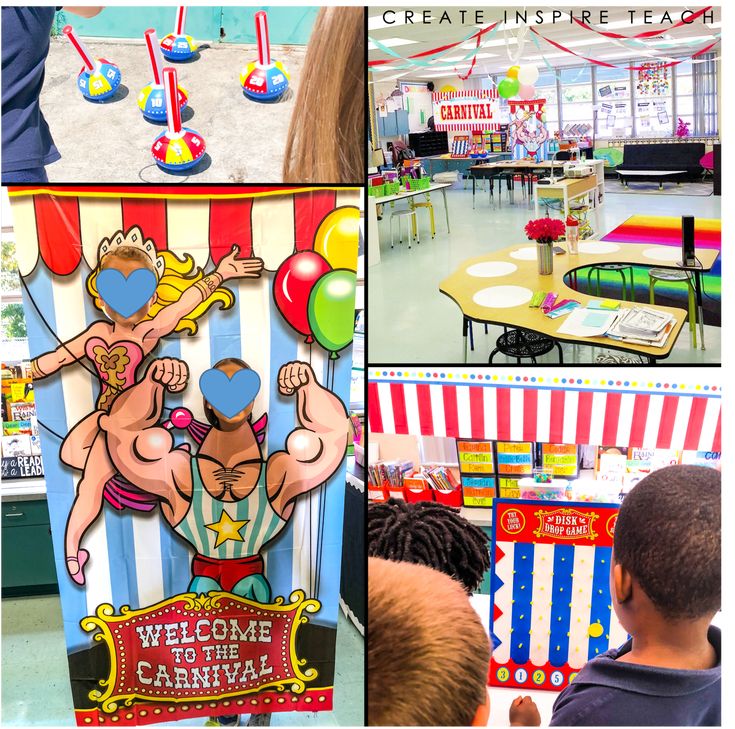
(675, 156)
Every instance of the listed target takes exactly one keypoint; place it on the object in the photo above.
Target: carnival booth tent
(136, 561)
(550, 605)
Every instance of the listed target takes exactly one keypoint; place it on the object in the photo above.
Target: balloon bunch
(315, 290)
(519, 81)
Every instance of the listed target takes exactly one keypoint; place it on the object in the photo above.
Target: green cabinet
(28, 557)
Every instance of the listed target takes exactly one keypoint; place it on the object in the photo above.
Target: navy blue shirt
(607, 692)
(27, 142)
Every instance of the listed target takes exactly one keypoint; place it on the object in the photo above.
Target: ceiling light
(376, 22)
(390, 43)
(621, 24)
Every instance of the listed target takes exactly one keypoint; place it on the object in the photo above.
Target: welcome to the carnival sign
(199, 648)
(466, 110)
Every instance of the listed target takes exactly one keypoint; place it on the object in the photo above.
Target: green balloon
(332, 310)
(508, 87)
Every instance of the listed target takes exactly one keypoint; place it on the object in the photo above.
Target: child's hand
(232, 267)
(524, 712)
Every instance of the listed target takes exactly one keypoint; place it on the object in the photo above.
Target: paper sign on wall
(466, 110)
(562, 459)
(515, 458)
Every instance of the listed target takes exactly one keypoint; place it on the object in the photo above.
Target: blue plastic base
(268, 96)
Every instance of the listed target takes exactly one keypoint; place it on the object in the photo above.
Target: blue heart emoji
(229, 395)
(126, 295)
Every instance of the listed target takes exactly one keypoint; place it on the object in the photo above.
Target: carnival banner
(191, 365)
(466, 110)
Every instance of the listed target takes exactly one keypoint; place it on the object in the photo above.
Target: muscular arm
(65, 354)
(140, 449)
(316, 448)
(229, 267)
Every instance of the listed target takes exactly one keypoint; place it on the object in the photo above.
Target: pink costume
(116, 365)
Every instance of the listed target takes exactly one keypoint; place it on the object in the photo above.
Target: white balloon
(528, 74)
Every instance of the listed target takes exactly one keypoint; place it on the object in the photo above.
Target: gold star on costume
(226, 529)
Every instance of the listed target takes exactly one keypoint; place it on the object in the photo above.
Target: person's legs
(31, 176)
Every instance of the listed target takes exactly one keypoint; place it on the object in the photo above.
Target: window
(546, 89)
(576, 96)
(614, 118)
(653, 88)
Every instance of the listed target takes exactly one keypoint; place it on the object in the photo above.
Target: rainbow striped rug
(665, 230)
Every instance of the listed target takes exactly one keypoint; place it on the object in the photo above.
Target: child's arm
(524, 712)
(229, 267)
(83, 11)
(66, 354)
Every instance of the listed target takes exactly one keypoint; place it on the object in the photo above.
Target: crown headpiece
(134, 238)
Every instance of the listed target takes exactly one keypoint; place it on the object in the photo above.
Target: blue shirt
(27, 141)
(607, 692)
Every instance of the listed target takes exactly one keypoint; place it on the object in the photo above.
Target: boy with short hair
(428, 653)
(665, 588)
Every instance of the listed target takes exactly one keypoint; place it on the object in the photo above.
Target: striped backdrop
(547, 415)
(136, 559)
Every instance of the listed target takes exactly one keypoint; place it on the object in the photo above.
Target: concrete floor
(111, 141)
(35, 673)
(411, 322)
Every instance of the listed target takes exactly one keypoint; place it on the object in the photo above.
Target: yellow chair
(427, 204)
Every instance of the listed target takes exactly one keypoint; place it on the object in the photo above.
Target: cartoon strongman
(215, 499)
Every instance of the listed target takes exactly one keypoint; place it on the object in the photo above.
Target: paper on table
(586, 323)
(595, 319)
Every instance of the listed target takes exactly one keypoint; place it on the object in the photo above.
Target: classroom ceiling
(512, 42)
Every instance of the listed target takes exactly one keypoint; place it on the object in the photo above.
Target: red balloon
(294, 280)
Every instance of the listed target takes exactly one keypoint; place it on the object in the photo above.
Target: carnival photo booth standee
(248, 570)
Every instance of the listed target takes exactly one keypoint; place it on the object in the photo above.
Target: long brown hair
(326, 140)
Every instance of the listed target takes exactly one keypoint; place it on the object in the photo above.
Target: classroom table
(528, 168)
(566, 190)
(405, 194)
(516, 267)
(460, 162)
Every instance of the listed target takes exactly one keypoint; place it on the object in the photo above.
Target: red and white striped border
(584, 417)
(478, 94)
(530, 105)
(261, 31)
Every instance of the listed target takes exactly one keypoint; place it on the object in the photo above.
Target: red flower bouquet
(545, 230)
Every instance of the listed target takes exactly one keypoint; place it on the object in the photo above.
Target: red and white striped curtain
(547, 415)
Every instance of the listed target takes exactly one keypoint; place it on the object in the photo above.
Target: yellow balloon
(513, 72)
(338, 237)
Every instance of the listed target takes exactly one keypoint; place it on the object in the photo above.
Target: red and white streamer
(583, 417)
(261, 32)
(627, 68)
(154, 54)
(180, 20)
(648, 33)
(81, 48)
(173, 113)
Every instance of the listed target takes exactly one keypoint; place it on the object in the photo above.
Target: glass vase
(545, 256)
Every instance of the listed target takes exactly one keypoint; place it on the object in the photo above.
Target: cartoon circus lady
(215, 499)
(180, 293)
